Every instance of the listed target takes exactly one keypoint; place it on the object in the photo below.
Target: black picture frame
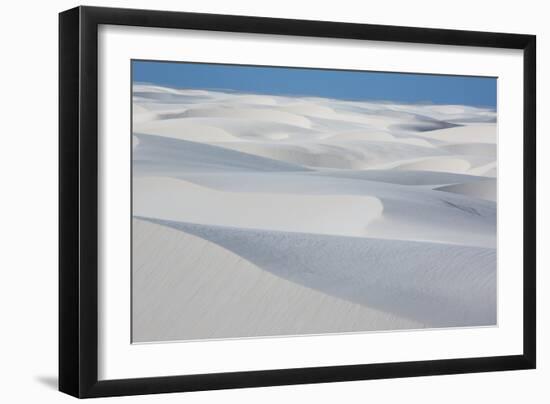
(78, 196)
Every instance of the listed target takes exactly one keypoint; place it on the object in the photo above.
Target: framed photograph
(251, 201)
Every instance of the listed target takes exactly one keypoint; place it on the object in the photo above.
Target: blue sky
(349, 85)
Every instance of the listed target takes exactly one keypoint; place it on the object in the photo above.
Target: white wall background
(28, 213)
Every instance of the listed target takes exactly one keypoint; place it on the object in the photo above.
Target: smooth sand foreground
(186, 287)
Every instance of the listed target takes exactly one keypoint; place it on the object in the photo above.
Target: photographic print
(284, 201)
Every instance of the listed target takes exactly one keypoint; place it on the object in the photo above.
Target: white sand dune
(474, 149)
(435, 285)
(480, 189)
(488, 170)
(156, 154)
(318, 204)
(401, 177)
(187, 287)
(141, 114)
(476, 133)
(374, 135)
(184, 129)
(216, 129)
(351, 154)
(265, 215)
(173, 199)
(458, 164)
(459, 114)
(263, 114)
(442, 164)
